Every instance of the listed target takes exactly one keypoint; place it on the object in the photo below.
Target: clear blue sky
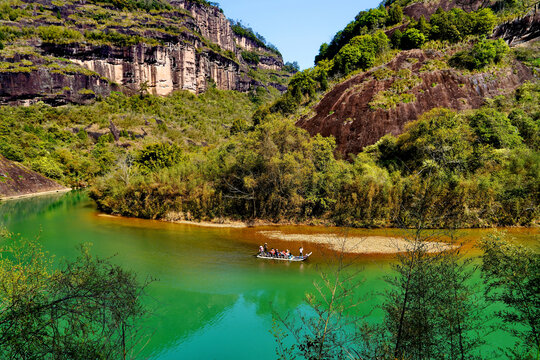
(296, 27)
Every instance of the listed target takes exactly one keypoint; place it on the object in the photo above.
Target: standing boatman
(301, 251)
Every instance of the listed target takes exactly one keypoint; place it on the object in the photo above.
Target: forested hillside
(432, 110)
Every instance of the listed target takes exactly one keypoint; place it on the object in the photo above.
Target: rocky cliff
(359, 111)
(181, 45)
(16, 180)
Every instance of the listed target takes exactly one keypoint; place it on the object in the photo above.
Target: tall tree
(430, 308)
(512, 277)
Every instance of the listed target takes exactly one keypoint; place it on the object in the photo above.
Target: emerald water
(212, 299)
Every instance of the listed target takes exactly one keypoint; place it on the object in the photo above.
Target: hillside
(441, 119)
(361, 110)
(392, 64)
(17, 180)
(76, 51)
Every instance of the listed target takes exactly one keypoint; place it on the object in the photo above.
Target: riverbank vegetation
(434, 307)
(482, 165)
(82, 309)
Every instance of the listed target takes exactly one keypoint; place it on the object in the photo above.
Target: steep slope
(359, 111)
(63, 51)
(459, 35)
(16, 180)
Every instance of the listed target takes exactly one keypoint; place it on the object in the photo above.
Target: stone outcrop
(58, 85)
(520, 30)
(164, 69)
(17, 180)
(348, 114)
(199, 51)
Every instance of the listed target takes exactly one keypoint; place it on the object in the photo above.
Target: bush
(495, 129)
(360, 52)
(396, 39)
(158, 156)
(58, 34)
(483, 53)
(251, 57)
(395, 15)
(412, 39)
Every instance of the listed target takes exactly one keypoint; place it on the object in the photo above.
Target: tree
(328, 334)
(395, 15)
(86, 309)
(430, 309)
(494, 128)
(291, 67)
(395, 39)
(158, 156)
(412, 39)
(511, 274)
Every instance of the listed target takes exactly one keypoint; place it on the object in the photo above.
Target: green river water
(212, 299)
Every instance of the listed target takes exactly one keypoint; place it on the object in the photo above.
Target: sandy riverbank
(41, 193)
(228, 224)
(356, 245)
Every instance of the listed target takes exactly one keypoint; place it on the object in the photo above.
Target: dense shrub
(476, 165)
(58, 34)
(483, 53)
(360, 52)
(158, 156)
(251, 57)
(395, 15)
(495, 129)
(411, 39)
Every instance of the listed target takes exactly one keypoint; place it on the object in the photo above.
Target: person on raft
(285, 254)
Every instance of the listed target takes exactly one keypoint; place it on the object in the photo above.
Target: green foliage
(365, 21)
(475, 165)
(512, 277)
(431, 307)
(116, 38)
(146, 5)
(412, 38)
(241, 30)
(85, 309)
(397, 94)
(456, 24)
(495, 129)
(395, 39)
(251, 57)
(58, 34)
(56, 141)
(483, 53)
(158, 156)
(360, 52)
(291, 67)
(395, 15)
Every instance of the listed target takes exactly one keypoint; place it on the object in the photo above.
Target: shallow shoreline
(359, 244)
(35, 194)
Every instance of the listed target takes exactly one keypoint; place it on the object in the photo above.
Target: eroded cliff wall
(188, 46)
(355, 112)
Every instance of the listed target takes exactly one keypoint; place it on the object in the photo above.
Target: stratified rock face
(163, 68)
(36, 82)
(16, 180)
(520, 30)
(193, 46)
(212, 24)
(268, 59)
(427, 8)
(348, 113)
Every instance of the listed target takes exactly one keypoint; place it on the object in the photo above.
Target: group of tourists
(275, 253)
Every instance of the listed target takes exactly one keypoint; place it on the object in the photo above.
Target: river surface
(211, 299)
